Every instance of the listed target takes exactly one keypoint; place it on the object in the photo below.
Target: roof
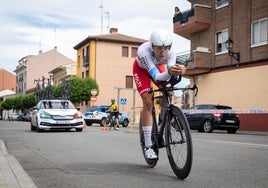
(6, 92)
(112, 37)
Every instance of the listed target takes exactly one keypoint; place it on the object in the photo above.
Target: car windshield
(56, 105)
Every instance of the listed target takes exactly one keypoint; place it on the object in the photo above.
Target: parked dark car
(24, 117)
(208, 117)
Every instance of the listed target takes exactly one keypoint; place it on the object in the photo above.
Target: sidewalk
(12, 175)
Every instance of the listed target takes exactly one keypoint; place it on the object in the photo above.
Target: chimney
(113, 30)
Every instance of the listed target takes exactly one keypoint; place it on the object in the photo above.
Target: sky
(28, 26)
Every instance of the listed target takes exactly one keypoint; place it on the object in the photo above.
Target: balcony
(199, 61)
(192, 21)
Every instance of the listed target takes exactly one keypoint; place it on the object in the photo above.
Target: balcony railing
(191, 21)
(199, 61)
(183, 17)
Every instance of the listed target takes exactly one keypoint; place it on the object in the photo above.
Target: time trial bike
(173, 131)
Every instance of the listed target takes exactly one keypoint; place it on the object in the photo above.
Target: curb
(12, 174)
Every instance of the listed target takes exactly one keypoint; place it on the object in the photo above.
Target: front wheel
(179, 143)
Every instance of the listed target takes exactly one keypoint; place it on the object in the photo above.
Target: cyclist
(114, 112)
(155, 61)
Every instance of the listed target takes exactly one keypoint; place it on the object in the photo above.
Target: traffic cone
(84, 125)
(105, 128)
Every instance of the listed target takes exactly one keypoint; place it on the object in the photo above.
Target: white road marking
(235, 143)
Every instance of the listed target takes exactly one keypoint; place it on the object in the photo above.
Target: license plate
(230, 121)
(63, 122)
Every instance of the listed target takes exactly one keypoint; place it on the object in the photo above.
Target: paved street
(95, 158)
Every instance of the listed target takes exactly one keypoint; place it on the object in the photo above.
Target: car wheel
(88, 123)
(103, 121)
(37, 127)
(231, 131)
(79, 129)
(125, 123)
(207, 126)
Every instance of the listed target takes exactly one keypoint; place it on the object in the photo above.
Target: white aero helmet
(160, 37)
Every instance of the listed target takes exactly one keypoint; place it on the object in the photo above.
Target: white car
(56, 114)
(97, 114)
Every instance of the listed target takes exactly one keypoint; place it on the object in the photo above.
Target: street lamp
(93, 97)
(229, 45)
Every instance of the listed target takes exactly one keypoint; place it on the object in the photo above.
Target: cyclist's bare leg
(146, 118)
(117, 122)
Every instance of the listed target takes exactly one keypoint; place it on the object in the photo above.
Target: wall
(241, 88)
(111, 71)
(253, 122)
(7, 80)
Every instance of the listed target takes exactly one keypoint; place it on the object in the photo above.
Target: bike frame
(158, 132)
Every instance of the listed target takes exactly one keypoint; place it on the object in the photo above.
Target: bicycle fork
(174, 122)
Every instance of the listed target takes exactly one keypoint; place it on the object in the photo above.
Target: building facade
(234, 76)
(63, 72)
(109, 59)
(7, 81)
(32, 67)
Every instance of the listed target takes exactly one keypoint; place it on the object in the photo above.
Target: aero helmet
(160, 38)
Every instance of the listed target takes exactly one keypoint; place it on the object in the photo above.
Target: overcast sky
(28, 26)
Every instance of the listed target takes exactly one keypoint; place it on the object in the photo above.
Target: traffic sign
(93, 98)
(123, 101)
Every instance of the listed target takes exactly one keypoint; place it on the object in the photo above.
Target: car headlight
(78, 115)
(45, 115)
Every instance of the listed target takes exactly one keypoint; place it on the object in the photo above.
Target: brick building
(7, 81)
(237, 81)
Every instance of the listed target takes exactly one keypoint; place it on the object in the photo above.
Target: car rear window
(92, 109)
(223, 107)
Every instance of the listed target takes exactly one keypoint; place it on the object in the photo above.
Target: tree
(81, 88)
(28, 101)
(7, 104)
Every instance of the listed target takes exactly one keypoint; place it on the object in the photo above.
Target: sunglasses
(160, 48)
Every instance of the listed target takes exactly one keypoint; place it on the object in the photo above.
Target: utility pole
(101, 7)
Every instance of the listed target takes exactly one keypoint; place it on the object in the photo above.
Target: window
(134, 51)
(221, 37)
(259, 32)
(86, 56)
(221, 3)
(124, 51)
(129, 81)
